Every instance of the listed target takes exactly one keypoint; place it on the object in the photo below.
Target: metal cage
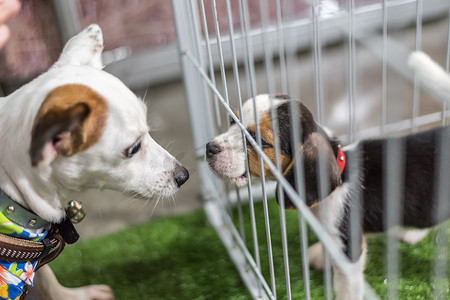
(347, 61)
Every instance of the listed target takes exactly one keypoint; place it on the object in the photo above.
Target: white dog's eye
(133, 149)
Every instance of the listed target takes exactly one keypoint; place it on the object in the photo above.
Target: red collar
(341, 159)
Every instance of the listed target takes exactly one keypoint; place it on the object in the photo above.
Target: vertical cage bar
(354, 160)
(318, 88)
(239, 100)
(246, 26)
(219, 47)
(222, 72)
(197, 37)
(248, 62)
(281, 50)
(442, 190)
(275, 125)
(416, 96)
(299, 178)
(248, 49)
(281, 206)
(195, 89)
(384, 71)
(300, 186)
(317, 53)
(351, 69)
(447, 67)
(394, 155)
(268, 53)
(212, 75)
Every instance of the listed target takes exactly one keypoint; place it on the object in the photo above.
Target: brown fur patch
(87, 111)
(265, 126)
(236, 112)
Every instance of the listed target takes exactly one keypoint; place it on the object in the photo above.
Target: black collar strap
(18, 214)
(68, 231)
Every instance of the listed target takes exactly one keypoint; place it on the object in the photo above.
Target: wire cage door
(346, 60)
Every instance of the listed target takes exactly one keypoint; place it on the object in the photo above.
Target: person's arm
(8, 8)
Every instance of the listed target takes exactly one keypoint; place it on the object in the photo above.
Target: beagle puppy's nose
(181, 175)
(211, 150)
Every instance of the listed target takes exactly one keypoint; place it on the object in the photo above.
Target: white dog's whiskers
(146, 90)
(173, 201)
(154, 207)
(169, 144)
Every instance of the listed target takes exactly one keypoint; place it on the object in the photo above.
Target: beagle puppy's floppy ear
(316, 155)
(290, 177)
(70, 120)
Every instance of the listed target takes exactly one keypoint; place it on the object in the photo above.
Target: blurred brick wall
(139, 24)
(34, 42)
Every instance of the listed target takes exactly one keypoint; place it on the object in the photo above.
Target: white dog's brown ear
(70, 120)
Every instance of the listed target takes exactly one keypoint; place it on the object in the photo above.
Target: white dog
(72, 128)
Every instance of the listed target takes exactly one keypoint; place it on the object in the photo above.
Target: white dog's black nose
(211, 150)
(181, 175)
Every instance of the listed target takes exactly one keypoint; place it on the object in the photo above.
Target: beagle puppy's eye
(131, 151)
(264, 144)
(232, 121)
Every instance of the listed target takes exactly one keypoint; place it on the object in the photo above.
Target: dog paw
(315, 256)
(412, 236)
(88, 292)
(97, 292)
(84, 49)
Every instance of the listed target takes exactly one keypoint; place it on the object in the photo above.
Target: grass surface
(182, 258)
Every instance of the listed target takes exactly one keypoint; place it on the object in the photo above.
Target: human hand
(8, 8)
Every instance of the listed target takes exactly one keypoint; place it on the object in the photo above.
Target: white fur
(263, 104)
(350, 289)
(412, 236)
(344, 289)
(330, 212)
(103, 165)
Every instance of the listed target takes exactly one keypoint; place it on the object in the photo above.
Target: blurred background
(141, 50)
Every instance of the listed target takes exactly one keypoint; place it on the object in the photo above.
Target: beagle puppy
(350, 178)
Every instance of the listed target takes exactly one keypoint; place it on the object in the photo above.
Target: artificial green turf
(173, 258)
(182, 258)
(416, 261)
